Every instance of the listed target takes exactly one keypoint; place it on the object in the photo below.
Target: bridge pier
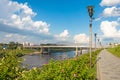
(48, 50)
(41, 50)
(76, 54)
(44, 50)
(80, 50)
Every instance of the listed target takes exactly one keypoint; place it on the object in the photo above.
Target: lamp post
(90, 11)
(95, 40)
(99, 42)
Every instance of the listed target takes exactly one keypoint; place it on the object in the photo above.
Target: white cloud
(111, 12)
(98, 19)
(109, 2)
(63, 35)
(12, 37)
(109, 29)
(81, 38)
(8, 35)
(19, 15)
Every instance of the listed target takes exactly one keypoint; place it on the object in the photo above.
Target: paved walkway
(108, 66)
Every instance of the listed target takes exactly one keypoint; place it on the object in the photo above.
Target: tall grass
(115, 50)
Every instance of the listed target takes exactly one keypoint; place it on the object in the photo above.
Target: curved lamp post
(90, 11)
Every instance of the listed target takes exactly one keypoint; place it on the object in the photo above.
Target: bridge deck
(84, 47)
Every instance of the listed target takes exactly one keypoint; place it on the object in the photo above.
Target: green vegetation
(11, 45)
(9, 65)
(16, 52)
(115, 50)
(10, 61)
(72, 69)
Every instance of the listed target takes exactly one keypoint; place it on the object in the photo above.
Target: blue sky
(58, 21)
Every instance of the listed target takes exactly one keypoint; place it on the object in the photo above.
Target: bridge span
(58, 46)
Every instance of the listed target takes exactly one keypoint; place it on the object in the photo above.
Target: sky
(58, 21)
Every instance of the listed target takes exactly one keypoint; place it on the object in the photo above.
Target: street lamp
(95, 40)
(90, 11)
(99, 42)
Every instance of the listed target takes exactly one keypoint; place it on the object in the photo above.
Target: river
(37, 60)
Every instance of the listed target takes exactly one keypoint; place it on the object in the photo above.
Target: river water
(37, 60)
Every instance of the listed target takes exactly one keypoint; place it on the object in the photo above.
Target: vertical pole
(41, 50)
(76, 51)
(91, 12)
(48, 50)
(95, 41)
(90, 42)
(81, 50)
(99, 43)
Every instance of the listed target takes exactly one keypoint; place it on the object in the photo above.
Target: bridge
(57, 46)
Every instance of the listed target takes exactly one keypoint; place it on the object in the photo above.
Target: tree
(13, 45)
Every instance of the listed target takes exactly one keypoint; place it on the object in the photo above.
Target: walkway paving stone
(108, 66)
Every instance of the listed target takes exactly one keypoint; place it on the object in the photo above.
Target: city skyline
(45, 21)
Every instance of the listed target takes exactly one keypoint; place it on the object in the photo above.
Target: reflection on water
(37, 60)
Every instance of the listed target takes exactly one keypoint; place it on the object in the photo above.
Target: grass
(115, 51)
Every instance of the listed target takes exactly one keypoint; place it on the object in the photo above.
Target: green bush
(9, 66)
(115, 50)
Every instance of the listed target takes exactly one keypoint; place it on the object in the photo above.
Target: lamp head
(90, 10)
(95, 34)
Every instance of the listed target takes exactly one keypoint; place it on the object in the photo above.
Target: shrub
(9, 66)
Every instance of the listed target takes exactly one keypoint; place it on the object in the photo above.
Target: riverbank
(77, 68)
(36, 59)
(74, 68)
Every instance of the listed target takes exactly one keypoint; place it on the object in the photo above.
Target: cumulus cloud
(111, 12)
(8, 35)
(11, 37)
(13, 30)
(109, 2)
(63, 35)
(109, 29)
(19, 16)
(81, 38)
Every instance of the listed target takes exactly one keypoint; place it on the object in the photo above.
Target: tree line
(11, 45)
